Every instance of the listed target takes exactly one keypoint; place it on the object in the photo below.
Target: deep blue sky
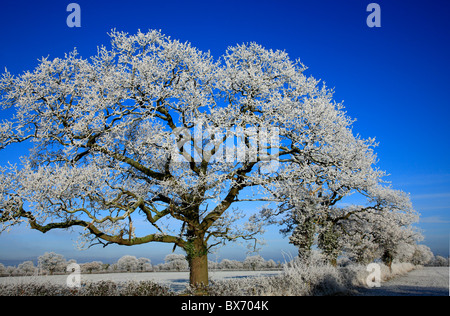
(393, 80)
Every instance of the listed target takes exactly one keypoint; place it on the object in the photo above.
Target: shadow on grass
(403, 290)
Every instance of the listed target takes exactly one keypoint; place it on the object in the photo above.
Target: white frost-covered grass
(427, 281)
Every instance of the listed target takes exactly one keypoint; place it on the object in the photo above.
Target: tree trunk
(387, 259)
(197, 256)
(198, 273)
(333, 261)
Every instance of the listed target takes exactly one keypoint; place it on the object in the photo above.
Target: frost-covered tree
(175, 262)
(380, 229)
(405, 251)
(51, 262)
(270, 264)
(93, 266)
(144, 264)
(2, 269)
(128, 263)
(212, 265)
(155, 129)
(310, 204)
(27, 268)
(11, 270)
(228, 264)
(422, 255)
(438, 261)
(254, 262)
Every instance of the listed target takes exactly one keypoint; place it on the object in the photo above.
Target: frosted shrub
(313, 276)
(144, 288)
(294, 281)
(251, 286)
(354, 275)
(33, 289)
(396, 269)
(129, 288)
(101, 288)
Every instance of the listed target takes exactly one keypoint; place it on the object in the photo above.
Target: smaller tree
(92, 266)
(440, 261)
(144, 264)
(128, 263)
(212, 265)
(113, 267)
(11, 270)
(27, 268)
(270, 264)
(51, 262)
(2, 269)
(422, 255)
(227, 264)
(405, 252)
(254, 262)
(176, 262)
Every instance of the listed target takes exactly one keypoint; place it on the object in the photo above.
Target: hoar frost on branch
(154, 130)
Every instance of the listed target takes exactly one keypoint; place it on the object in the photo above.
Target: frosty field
(427, 281)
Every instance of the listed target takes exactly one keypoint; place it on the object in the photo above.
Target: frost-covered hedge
(101, 288)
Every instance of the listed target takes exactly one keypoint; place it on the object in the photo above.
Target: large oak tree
(153, 130)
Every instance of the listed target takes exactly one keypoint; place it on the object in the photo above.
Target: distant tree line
(51, 263)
